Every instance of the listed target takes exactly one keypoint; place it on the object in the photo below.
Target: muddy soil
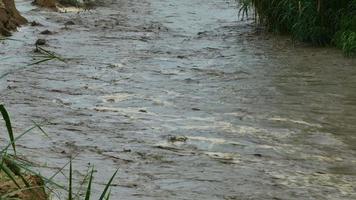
(10, 18)
(186, 100)
(9, 190)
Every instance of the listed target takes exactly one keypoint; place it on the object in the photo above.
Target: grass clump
(14, 183)
(78, 3)
(319, 22)
(18, 181)
(75, 3)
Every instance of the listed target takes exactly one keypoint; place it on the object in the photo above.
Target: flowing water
(186, 100)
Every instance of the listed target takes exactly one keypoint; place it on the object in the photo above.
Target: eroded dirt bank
(186, 101)
(10, 18)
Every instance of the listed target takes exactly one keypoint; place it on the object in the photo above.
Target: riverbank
(10, 18)
(9, 190)
(331, 22)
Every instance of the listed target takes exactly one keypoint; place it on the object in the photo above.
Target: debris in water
(227, 158)
(116, 97)
(174, 138)
(34, 23)
(69, 23)
(40, 42)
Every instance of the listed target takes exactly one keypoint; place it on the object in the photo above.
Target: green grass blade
(84, 181)
(46, 180)
(4, 38)
(41, 61)
(15, 168)
(108, 197)
(70, 197)
(9, 173)
(22, 134)
(107, 186)
(87, 194)
(60, 170)
(40, 128)
(6, 117)
(17, 138)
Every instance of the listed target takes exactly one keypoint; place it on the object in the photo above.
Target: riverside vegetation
(19, 181)
(320, 22)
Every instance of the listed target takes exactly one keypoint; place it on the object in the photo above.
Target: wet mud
(186, 100)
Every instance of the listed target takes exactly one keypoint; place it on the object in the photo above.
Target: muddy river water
(186, 100)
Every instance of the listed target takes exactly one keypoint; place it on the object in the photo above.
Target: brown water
(263, 118)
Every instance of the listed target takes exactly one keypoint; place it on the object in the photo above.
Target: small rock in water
(177, 138)
(11, 87)
(127, 150)
(190, 80)
(201, 33)
(34, 23)
(46, 32)
(69, 23)
(116, 65)
(40, 42)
